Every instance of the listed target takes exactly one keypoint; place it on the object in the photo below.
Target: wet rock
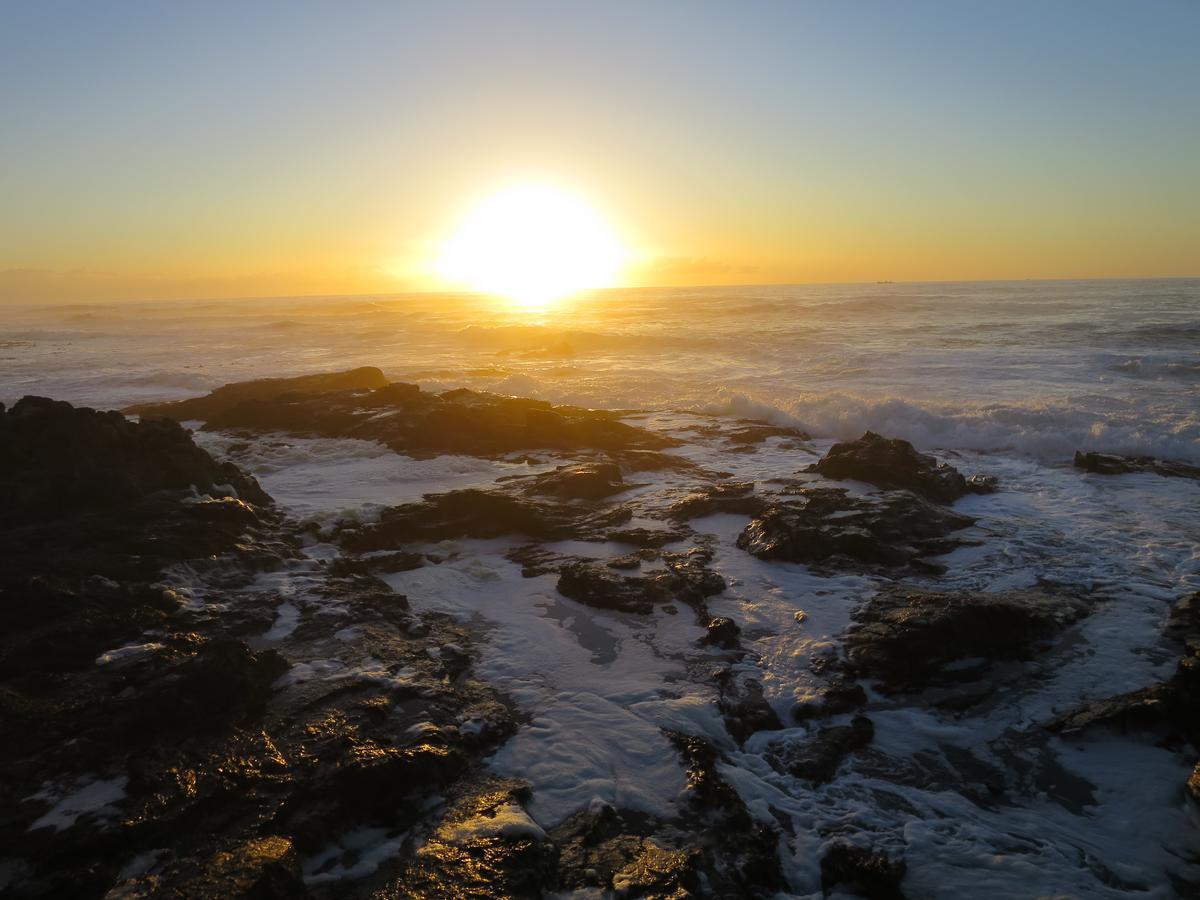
(690, 580)
(744, 708)
(722, 632)
(265, 868)
(865, 872)
(756, 434)
(906, 636)
(590, 584)
(419, 424)
(645, 537)
(658, 871)
(830, 525)
(840, 696)
(485, 846)
(710, 791)
(224, 682)
(983, 484)
(265, 389)
(1134, 711)
(1184, 622)
(686, 579)
(479, 514)
(397, 561)
(109, 672)
(588, 481)
(817, 758)
(58, 460)
(1171, 708)
(1111, 464)
(735, 497)
(600, 849)
(892, 463)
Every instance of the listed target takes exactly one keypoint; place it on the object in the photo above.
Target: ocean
(1033, 367)
(1001, 378)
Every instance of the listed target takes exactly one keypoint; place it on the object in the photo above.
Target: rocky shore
(202, 694)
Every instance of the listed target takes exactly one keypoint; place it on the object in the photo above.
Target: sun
(532, 244)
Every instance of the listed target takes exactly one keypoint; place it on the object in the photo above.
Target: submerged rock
(480, 514)
(744, 708)
(895, 463)
(865, 872)
(839, 696)
(817, 758)
(1111, 464)
(830, 524)
(907, 636)
(757, 433)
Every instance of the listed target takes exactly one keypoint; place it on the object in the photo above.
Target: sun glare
(532, 244)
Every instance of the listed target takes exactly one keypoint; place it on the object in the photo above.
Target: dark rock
(1142, 709)
(264, 868)
(829, 524)
(485, 846)
(1172, 706)
(395, 394)
(361, 404)
(686, 580)
(587, 481)
(58, 460)
(717, 850)
(1110, 464)
(1184, 622)
(690, 580)
(397, 561)
(223, 683)
(645, 537)
(735, 497)
(982, 484)
(905, 636)
(866, 873)
(601, 850)
(366, 378)
(479, 514)
(892, 463)
(723, 632)
(108, 672)
(817, 759)
(838, 697)
(711, 792)
(590, 584)
(756, 434)
(745, 709)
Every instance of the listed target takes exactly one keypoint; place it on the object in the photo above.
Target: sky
(153, 150)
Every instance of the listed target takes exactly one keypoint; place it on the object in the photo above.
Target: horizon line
(449, 292)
